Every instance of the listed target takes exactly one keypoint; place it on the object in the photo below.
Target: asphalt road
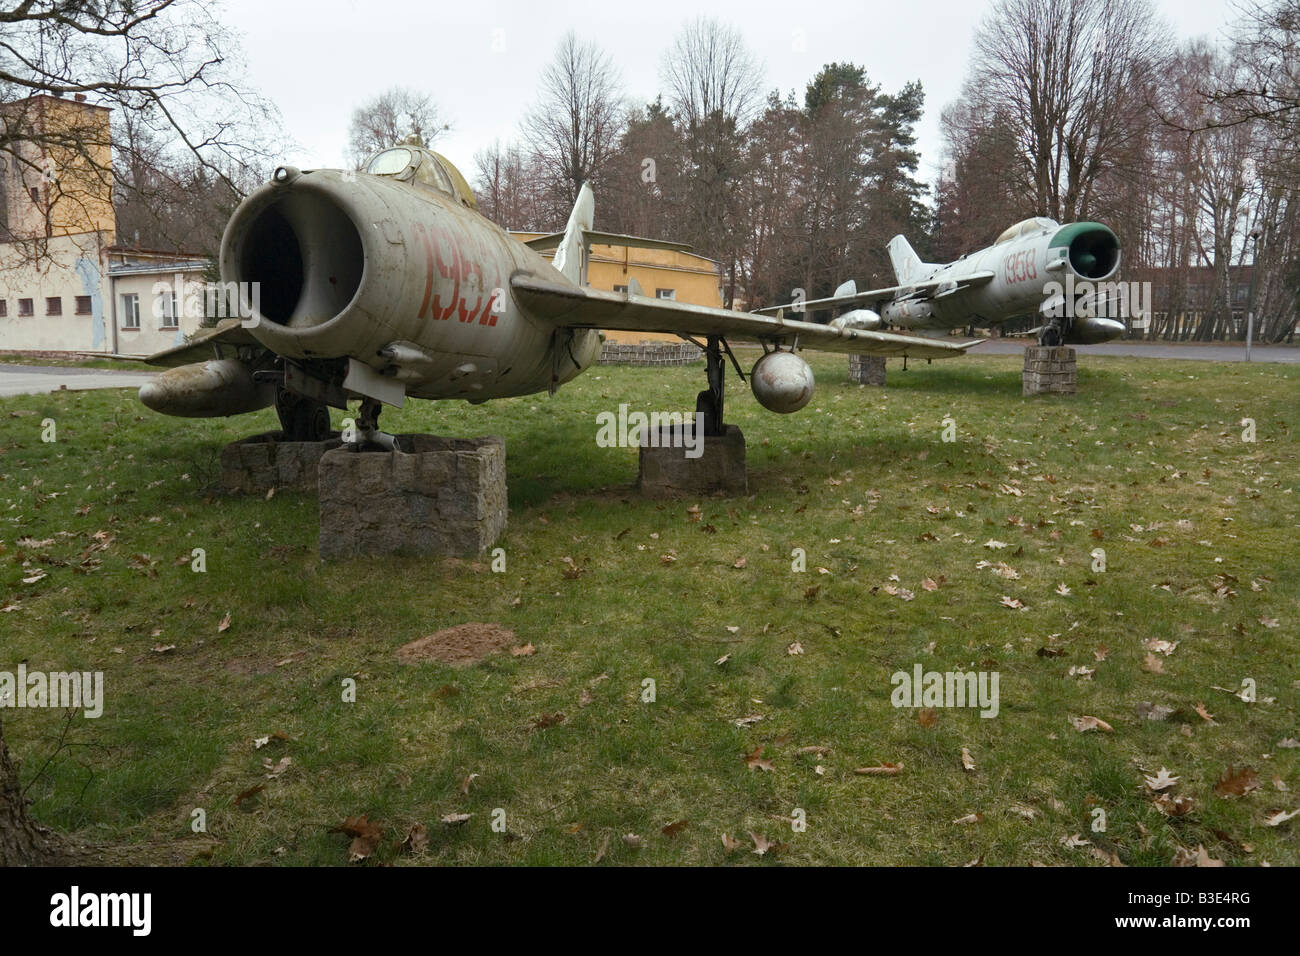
(39, 379)
(1208, 353)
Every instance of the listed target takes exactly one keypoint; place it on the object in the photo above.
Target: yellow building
(666, 273)
(64, 284)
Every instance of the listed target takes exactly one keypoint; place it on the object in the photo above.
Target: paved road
(1208, 353)
(39, 379)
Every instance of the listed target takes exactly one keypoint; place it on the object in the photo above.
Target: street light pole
(1250, 296)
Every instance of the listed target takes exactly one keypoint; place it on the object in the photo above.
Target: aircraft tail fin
(908, 266)
(572, 248)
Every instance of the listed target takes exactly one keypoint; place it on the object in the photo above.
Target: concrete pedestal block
(667, 472)
(867, 369)
(1049, 371)
(433, 496)
(255, 465)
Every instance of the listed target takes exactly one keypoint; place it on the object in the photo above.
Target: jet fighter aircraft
(388, 283)
(1036, 267)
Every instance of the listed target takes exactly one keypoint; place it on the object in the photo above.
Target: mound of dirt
(462, 644)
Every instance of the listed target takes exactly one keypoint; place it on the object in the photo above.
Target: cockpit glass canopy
(422, 167)
(390, 162)
(1027, 227)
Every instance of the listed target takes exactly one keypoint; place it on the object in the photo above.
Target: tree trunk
(22, 842)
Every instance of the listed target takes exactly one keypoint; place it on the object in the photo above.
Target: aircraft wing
(204, 344)
(570, 306)
(916, 292)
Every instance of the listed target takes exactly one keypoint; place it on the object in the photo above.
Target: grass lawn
(1148, 463)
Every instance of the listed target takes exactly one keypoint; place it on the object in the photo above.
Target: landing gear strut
(1052, 334)
(301, 418)
(368, 432)
(709, 402)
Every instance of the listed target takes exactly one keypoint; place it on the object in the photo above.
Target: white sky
(318, 60)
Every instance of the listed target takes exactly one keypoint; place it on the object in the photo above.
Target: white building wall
(73, 266)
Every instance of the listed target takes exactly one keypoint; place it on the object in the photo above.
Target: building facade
(66, 287)
(665, 273)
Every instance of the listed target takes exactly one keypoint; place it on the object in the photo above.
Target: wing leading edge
(916, 292)
(569, 305)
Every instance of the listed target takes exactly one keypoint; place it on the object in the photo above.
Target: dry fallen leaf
(970, 818)
(464, 784)
(1161, 781)
(1205, 714)
(1152, 664)
(882, 770)
(365, 834)
(274, 770)
(673, 829)
(755, 761)
(632, 840)
(224, 624)
(456, 819)
(794, 649)
(763, 845)
(417, 839)
(1237, 784)
(731, 845)
(967, 761)
(1200, 857)
(927, 717)
(1281, 817)
(526, 651)
(1086, 723)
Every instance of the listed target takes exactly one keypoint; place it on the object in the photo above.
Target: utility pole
(1250, 296)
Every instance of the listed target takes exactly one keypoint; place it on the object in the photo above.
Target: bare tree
(575, 126)
(709, 70)
(396, 117)
(1068, 76)
(167, 63)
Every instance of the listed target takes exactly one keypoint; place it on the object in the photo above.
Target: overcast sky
(318, 60)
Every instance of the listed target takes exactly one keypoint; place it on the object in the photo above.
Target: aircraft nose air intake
(1093, 250)
(301, 247)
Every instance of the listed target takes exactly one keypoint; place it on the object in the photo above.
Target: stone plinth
(649, 353)
(667, 472)
(433, 496)
(1049, 370)
(255, 465)
(867, 369)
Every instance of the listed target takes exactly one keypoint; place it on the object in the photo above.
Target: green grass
(117, 365)
(860, 479)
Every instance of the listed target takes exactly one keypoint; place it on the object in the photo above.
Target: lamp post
(1250, 296)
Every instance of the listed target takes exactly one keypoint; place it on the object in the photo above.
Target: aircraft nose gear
(1052, 334)
(368, 432)
(301, 418)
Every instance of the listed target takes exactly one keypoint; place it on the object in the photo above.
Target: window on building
(4, 308)
(620, 288)
(130, 310)
(666, 293)
(26, 307)
(83, 305)
(167, 310)
(54, 305)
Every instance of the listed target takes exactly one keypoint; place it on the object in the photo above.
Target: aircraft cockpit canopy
(1027, 227)
(422, 167)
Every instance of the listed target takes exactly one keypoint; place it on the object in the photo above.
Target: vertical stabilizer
(908, 266)
(569, 254)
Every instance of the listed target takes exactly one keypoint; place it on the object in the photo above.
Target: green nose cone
(1086, 262)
